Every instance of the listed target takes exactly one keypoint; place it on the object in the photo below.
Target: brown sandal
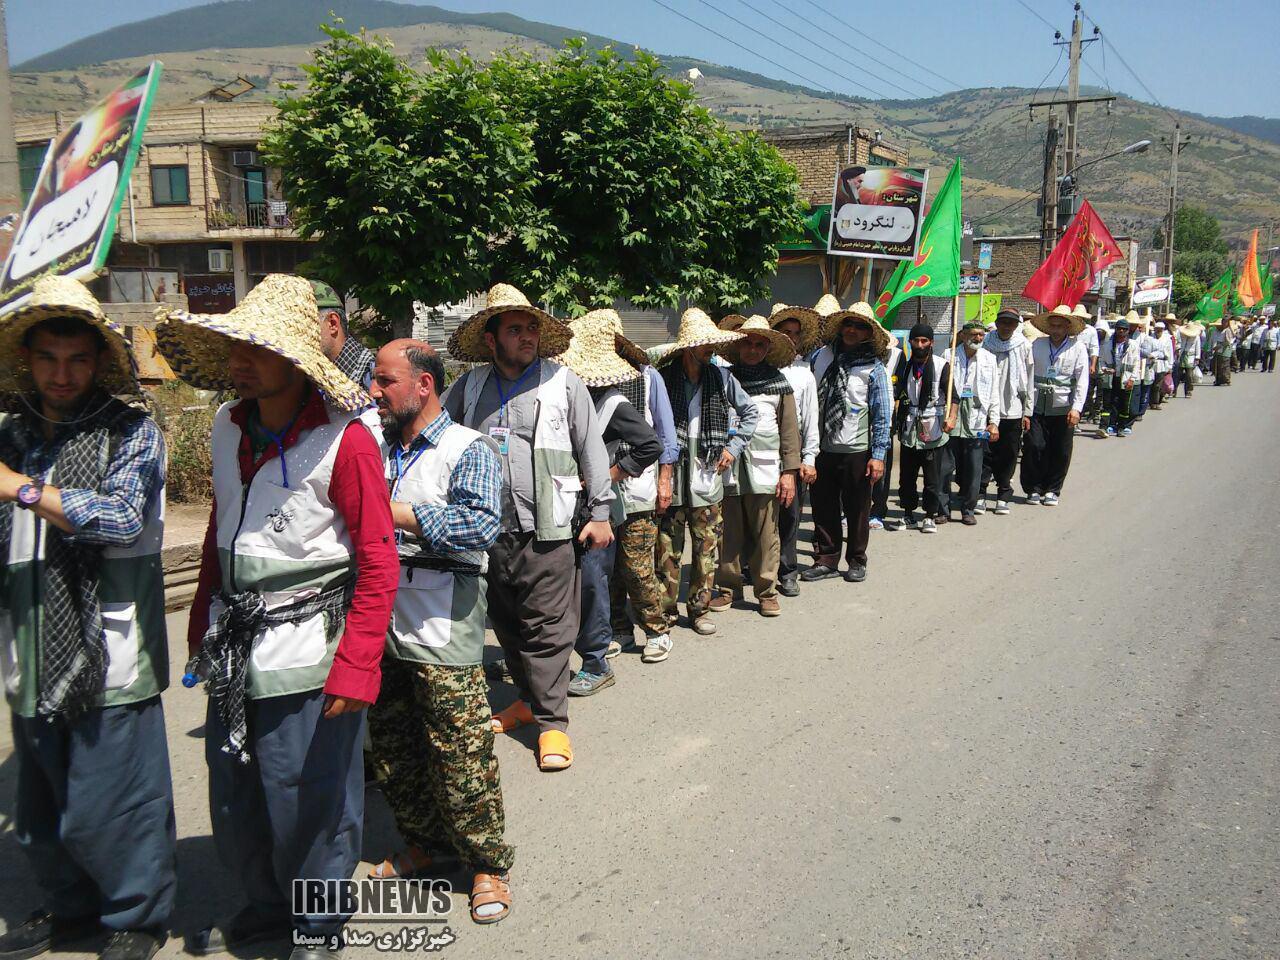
(404, 864)
(487, 888)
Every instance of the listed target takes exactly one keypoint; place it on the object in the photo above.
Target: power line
(1106, 42)
(855, 49)
(868, 36)
(1036, 13)
(793, 51)
(730, 40)
(1017, 203)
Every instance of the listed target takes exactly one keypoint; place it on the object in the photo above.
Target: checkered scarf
(223, 659)
(761, 379)
(73, 654)
(835, 382)
(713, 423)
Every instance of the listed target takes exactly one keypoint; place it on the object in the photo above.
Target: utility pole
(1173, 198)
(1073, 93)
(1049, 189)
(10, 187)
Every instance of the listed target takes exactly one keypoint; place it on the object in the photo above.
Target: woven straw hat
(697, 330)
(1041, 320)
(1190, 329)
(467, 343)
(278, 314)
(1137, 322)
(638, 357)
(593, 353)
(861, 312)
(56, 296)
(810, 323)
(830, 314)
(1081, 311)
(780, 354)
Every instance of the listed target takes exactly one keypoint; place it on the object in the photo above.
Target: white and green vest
(632, 494)
(760, 466)
(705, 485)
(285, 543)
(131, 595)
(439, 614)
(556, 483)
(922, 427)
(854, 435)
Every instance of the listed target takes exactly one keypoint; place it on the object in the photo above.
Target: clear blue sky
(1219, 58)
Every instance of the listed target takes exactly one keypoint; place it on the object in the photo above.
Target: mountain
(1232, 166)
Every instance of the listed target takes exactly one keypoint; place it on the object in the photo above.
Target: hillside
(1233, 167)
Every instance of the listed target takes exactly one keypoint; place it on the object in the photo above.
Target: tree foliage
(1199, 256)
(403, 178)
(581, 179)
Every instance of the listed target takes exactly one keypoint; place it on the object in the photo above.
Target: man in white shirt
(1012, 351)
(971, 419)
(1061, 372)
(1089, 337)
(1270, 344)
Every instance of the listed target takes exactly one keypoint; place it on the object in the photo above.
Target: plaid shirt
(472, 517)
(356, 361)
(115, 513)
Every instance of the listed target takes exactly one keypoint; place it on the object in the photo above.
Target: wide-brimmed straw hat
(468, 344)
(1081, 311)
(698, 330)
(279, 314)
(593, 354)
(1190, 329)
(861, 312)
(56, 296)
(830, 316)
(1136, 321)
(1041, 320)
(781, 353)
(638, 357)
(810, 323)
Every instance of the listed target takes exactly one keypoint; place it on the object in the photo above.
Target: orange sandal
(487, 888)
(405, 864)
(516, 715)
(554, 743)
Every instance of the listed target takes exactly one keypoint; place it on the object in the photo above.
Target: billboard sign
(1148, 290)
(877, 211)
(71, 217)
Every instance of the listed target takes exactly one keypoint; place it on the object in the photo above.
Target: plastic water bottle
(194, 672)
(984, 434)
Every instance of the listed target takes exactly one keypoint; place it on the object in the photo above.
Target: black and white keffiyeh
(835, 382)
(713, 423)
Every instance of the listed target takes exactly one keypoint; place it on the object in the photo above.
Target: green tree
(403, 178)
(639, 192)
(1195, 230)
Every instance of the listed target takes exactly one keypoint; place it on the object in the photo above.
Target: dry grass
(186, 419)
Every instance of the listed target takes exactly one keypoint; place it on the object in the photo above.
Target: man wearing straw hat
(1121, 365)
(854, 416)
(1189, 337)
(974, 419)
(84, 655)
(715, 420)
(542, 419)
(290, 615)
(1270, 344)
(1013, 404)
(347, 353)
(801, 326)
(1061, 380)
(1161, 362)
(633, 448)
(1222, 345)
(763, 480)
(431, 727)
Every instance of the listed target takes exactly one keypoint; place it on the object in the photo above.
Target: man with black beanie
(921, 392)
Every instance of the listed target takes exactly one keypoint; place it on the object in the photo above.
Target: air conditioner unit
(244, 158)
(219, 261)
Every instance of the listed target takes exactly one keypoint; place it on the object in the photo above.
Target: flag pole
(951, 367)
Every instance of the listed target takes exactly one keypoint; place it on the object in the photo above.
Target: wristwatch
(29, 494)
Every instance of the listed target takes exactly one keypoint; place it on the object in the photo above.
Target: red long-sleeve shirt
(358, 489)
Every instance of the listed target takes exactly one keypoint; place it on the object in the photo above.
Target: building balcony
(270, 215)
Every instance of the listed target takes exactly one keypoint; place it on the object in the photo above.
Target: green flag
(1265, 274)
(1213, 303)
(935, 269)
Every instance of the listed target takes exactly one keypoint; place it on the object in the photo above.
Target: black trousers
(841, 492)
(934, 464)
(789, 533)
(880, 492)
(1268, 361)
(967, 453)
(1046, 454)
(1123, 407)
(1001, 457)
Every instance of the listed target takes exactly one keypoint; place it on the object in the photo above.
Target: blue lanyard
(403, 468)
(1054, 354)
(504, 398)
(278, 440)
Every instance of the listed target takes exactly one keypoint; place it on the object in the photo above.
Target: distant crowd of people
(370, 519)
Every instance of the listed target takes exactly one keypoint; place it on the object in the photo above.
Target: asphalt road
(1056, 734)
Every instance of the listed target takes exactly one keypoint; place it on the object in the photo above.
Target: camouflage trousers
(634, 576)
(705, 528)
(433, 752)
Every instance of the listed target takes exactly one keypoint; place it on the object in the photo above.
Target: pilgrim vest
(556, 483)
(286, 544)
(760, 466)
(922, 428)
(705, 486)
(439, 613)
(131, 595)
(854, 435)
(633, 494)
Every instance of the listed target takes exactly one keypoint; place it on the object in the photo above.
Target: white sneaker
(1033, 498)
(1002, 508)
(928, 526)
(656, 650)
(1050, 500)
(982, 505)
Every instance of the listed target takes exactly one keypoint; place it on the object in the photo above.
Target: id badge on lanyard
(502, 437)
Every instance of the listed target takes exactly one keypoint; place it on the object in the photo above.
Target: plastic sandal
(404, 864)
(487, 888)
(516, 715)
(554, 743)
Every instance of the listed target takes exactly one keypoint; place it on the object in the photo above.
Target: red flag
(1085, 248)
